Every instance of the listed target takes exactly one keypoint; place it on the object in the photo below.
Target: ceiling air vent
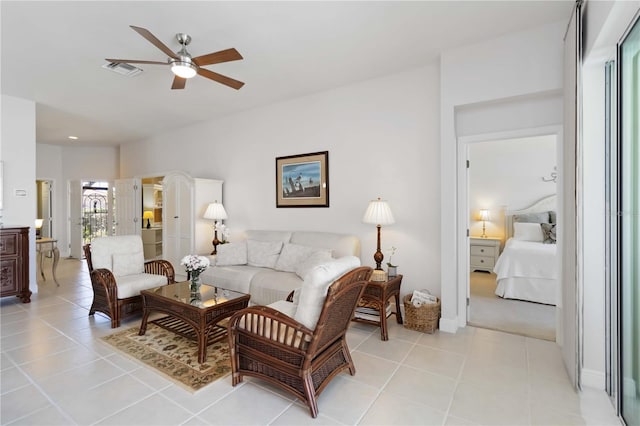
(122, 68)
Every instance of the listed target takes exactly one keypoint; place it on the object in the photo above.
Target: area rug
(174, 356)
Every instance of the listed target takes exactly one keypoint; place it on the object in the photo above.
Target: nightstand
(375, 298)
(484, 253)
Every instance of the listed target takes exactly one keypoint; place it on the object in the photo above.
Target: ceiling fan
(183, 65)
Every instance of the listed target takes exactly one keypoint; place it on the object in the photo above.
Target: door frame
(462, 201)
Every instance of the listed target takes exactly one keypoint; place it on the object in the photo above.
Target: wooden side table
(376, 295)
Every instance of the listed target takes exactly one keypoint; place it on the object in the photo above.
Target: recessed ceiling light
(75, 138)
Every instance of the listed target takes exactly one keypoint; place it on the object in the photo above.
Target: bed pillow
(549, 233)
(526, 231)
(232, 254)
(263, 253)
(552, 217)
(542, 217)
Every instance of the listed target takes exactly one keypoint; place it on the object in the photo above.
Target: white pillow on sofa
(525, 231)
(232, 254)
(292, 255)
(127, 264)
(263, 253)
(315, 286)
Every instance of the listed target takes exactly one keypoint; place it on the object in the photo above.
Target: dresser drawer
(9, 244)
(482, 251)
(483, 261)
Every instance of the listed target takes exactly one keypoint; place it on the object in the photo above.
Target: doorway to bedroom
(512, 292)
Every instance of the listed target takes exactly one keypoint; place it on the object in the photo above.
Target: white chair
(118, 274)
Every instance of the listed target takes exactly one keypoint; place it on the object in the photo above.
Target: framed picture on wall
(303, 180)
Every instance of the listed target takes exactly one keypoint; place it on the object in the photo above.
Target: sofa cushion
(287, 308)
(315, 286)
(263, 253)
(292, 255)
(127, 264)
(260, 235)
(268, 286)
(317, 258)
(235, 277)
(340, 244)
(131, 285)
(103, 249)
(232, 254)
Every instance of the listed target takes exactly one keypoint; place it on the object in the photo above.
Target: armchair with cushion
(300, 344)
(118, 274)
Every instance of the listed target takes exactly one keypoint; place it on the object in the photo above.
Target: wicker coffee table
(193, 315)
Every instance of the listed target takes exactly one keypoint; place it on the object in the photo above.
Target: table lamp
(39, 223)
(484, 217)
(148, 215)
(378, 213)
(215, 211)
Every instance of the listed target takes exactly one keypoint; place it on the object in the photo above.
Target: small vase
(195, 283)
(392, 271)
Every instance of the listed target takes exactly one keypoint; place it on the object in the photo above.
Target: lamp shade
(215, 211)
(484, 214)
(378, 213)
(39, 223)
(147, 214)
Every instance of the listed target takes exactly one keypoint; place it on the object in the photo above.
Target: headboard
(544, 204)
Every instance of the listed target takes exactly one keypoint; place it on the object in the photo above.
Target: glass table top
(208, 296)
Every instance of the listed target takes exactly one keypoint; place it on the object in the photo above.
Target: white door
(127, 207)
(177, 212)
(75, 218)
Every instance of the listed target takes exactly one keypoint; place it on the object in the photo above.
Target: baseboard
(593, 379)
(448, 325)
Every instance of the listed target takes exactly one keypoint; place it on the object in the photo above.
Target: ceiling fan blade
(153, 40)
(135, 61)
(178, 82)
(218, 57)
(227, 81)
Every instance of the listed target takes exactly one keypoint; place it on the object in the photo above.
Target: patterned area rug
(174, 356)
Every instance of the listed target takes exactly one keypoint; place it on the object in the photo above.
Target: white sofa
(269, 265)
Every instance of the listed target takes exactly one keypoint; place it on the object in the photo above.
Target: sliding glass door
(629, 225)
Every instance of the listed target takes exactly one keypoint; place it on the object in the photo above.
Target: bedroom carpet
(487, 310)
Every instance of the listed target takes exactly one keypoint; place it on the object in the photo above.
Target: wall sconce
(215, 211)
(378, 213)
(484, 217)
(148, 215)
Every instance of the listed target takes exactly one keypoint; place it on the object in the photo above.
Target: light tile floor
(55, 371)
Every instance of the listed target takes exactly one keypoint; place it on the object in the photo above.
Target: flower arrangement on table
(392, 251)
(195, 265)
(223, 230)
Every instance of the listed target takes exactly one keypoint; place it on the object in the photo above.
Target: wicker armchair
(117, 301)
(272, 346)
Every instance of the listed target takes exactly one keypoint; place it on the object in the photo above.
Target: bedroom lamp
(148, 215)
(215, 211)
(484, 217)
(378, 213)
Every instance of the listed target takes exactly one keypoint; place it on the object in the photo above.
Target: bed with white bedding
(527, 268)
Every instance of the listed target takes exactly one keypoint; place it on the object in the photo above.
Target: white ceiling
(53, 52)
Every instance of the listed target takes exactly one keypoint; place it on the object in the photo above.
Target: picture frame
(303, 180)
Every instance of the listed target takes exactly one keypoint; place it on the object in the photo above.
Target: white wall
(382, 138)
(525, 64)
(18, 152)
(507, 174)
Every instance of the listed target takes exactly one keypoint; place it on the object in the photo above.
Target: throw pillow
(315, 286)
(291, 255)
(527, 232)
(232, 254)
(317, 258)
(549, 233)
(542, 217)
(128, 264)
(263, 253)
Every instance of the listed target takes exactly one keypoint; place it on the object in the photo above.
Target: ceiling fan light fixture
(183, 69)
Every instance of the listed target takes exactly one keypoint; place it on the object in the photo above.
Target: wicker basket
(424, 319)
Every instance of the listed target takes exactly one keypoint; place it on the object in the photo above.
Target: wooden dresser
(14, 263)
